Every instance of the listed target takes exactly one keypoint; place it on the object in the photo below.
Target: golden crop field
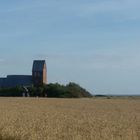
(69, 119)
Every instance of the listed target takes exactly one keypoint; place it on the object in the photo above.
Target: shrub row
(71, 90)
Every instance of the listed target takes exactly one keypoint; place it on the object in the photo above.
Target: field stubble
(69, 119)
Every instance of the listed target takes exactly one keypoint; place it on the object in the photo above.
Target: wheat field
(69, 119)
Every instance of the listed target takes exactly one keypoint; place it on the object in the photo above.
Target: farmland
(69, 119)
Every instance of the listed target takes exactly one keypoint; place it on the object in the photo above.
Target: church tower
(39, 72)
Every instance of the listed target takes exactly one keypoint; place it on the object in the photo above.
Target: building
(39, 72)
(38, 77)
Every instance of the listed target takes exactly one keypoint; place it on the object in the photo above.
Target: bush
(76, 91)
(71, 90)
(13, 92)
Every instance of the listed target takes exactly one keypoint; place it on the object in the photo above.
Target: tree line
(56, 90)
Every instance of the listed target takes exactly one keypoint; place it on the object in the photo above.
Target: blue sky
(91, 42)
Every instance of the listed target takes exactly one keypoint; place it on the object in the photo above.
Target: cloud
(1, 60)
(22, 6)
(110, 5)
(124, 9)
(89, 60)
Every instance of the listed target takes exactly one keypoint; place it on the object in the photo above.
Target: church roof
(38, 65)
(16, 80)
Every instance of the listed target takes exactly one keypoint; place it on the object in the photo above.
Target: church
(38, 77)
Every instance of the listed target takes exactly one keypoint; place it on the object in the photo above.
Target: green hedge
(11, 92)
(71, 90)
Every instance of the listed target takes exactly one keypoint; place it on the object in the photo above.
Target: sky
(95, 43)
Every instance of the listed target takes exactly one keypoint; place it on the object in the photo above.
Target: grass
(69, 119)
